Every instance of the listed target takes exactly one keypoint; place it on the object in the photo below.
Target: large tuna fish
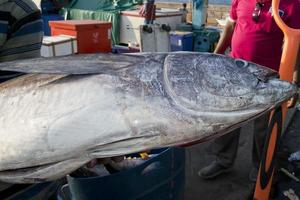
(70, 110)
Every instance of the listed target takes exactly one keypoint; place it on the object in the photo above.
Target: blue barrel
(160, 177)
(45, 191)
(181, 41)
(199, 13)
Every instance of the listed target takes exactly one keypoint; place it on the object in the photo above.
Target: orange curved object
(286, 71)
(290, 47)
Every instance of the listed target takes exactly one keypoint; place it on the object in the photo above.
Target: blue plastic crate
(205, 39)
(47, 18)
(181, 41)
(45, 191)
(161, 177)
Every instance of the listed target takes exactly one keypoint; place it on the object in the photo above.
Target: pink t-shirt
(261, 42)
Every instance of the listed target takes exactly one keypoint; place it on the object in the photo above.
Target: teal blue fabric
(105, 10)
(104, 5)
(109, 16)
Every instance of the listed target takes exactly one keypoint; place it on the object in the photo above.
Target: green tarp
(104, 5)
(105, 10)
(112, 16)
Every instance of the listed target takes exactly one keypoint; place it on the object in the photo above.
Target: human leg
(225, 148)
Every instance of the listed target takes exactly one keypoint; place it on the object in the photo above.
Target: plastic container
(93, 36)
(181, 41)
(47, 18)
(199, 13)
(60, 45)
(44, 191)
(205, 39)
(184, 27)
(160, 177)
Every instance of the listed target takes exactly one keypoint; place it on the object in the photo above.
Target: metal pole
(199, 13)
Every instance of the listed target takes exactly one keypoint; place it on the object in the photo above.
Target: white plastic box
(60, 45)
(131, 21)
(157, 40)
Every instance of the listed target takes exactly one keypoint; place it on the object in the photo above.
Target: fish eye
(241, 63)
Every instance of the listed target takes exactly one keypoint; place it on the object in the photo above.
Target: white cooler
(60, 45)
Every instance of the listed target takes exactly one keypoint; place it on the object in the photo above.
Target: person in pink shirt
(253, 35)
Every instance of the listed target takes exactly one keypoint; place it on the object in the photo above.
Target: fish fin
(74, 64)
(47, 172)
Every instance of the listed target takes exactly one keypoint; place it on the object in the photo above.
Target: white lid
(56, 39)
(69, 36)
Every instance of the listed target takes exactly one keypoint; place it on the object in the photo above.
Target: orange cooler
(92, 35)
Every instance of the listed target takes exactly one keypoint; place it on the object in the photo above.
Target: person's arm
(297, 69)
(226, 37)
(293, 101)
(294, 22)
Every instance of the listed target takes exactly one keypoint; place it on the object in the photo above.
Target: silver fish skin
(67, 111)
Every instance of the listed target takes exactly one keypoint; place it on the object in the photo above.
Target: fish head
(216, 84)
(214, 94)
(204, 95)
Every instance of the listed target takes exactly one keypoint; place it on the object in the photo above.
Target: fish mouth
(275, 91)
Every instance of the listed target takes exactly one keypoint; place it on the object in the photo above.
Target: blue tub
(160, 177)
(181, 41)
(45, 191)
(199, 13)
